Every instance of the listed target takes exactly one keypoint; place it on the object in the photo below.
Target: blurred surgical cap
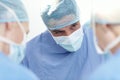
(64, 13)
(107, 11)
(16, 6)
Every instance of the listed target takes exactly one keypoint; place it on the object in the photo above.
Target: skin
(13, 32)
(67, 30)
(106, 33)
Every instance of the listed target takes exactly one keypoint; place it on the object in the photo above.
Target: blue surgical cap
(16, 6)
(64, 13)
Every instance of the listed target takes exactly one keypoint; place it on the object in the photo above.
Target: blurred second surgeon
(107, 30)
(13, 28)
(66, 50)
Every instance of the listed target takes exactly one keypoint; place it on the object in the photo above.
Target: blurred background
(36, 7)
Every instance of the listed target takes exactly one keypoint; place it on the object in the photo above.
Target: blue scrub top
(110, 70)
(52, 62)
(12, 71)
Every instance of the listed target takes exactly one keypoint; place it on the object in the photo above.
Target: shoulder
(39, 44)
(13, 71)
(44, 37)
(109, 70)
(39, 38)
(25, 73)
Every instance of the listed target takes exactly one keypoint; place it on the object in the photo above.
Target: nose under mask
(72, 42)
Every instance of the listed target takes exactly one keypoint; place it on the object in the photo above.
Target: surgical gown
(12, 71)
(109, 70)
(52, 62)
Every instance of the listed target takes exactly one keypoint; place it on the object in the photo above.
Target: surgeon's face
(66, 31)
(105, 34)
(14, 31)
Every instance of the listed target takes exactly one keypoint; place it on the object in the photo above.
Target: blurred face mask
(113, 44)
(16, 51)
(107, 50)
(71, 43)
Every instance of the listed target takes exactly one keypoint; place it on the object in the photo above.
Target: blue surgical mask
(112, 45)
(106, 54)
(16, 51)
(107, 51)
(71, 43)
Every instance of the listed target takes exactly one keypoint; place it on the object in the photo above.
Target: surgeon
(13, 28)
(106, 20)
(66, 50)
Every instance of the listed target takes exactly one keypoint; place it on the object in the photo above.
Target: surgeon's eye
(57, 33)
(75, 26)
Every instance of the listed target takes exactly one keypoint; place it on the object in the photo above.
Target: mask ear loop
(113, 44)
(93, 24)
(6, 40)
(21, 27)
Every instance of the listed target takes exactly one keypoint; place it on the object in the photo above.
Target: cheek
(100, 39)
(99, 33)
(104, 37)
(19, 37)
(117, 30)
(16, 35)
